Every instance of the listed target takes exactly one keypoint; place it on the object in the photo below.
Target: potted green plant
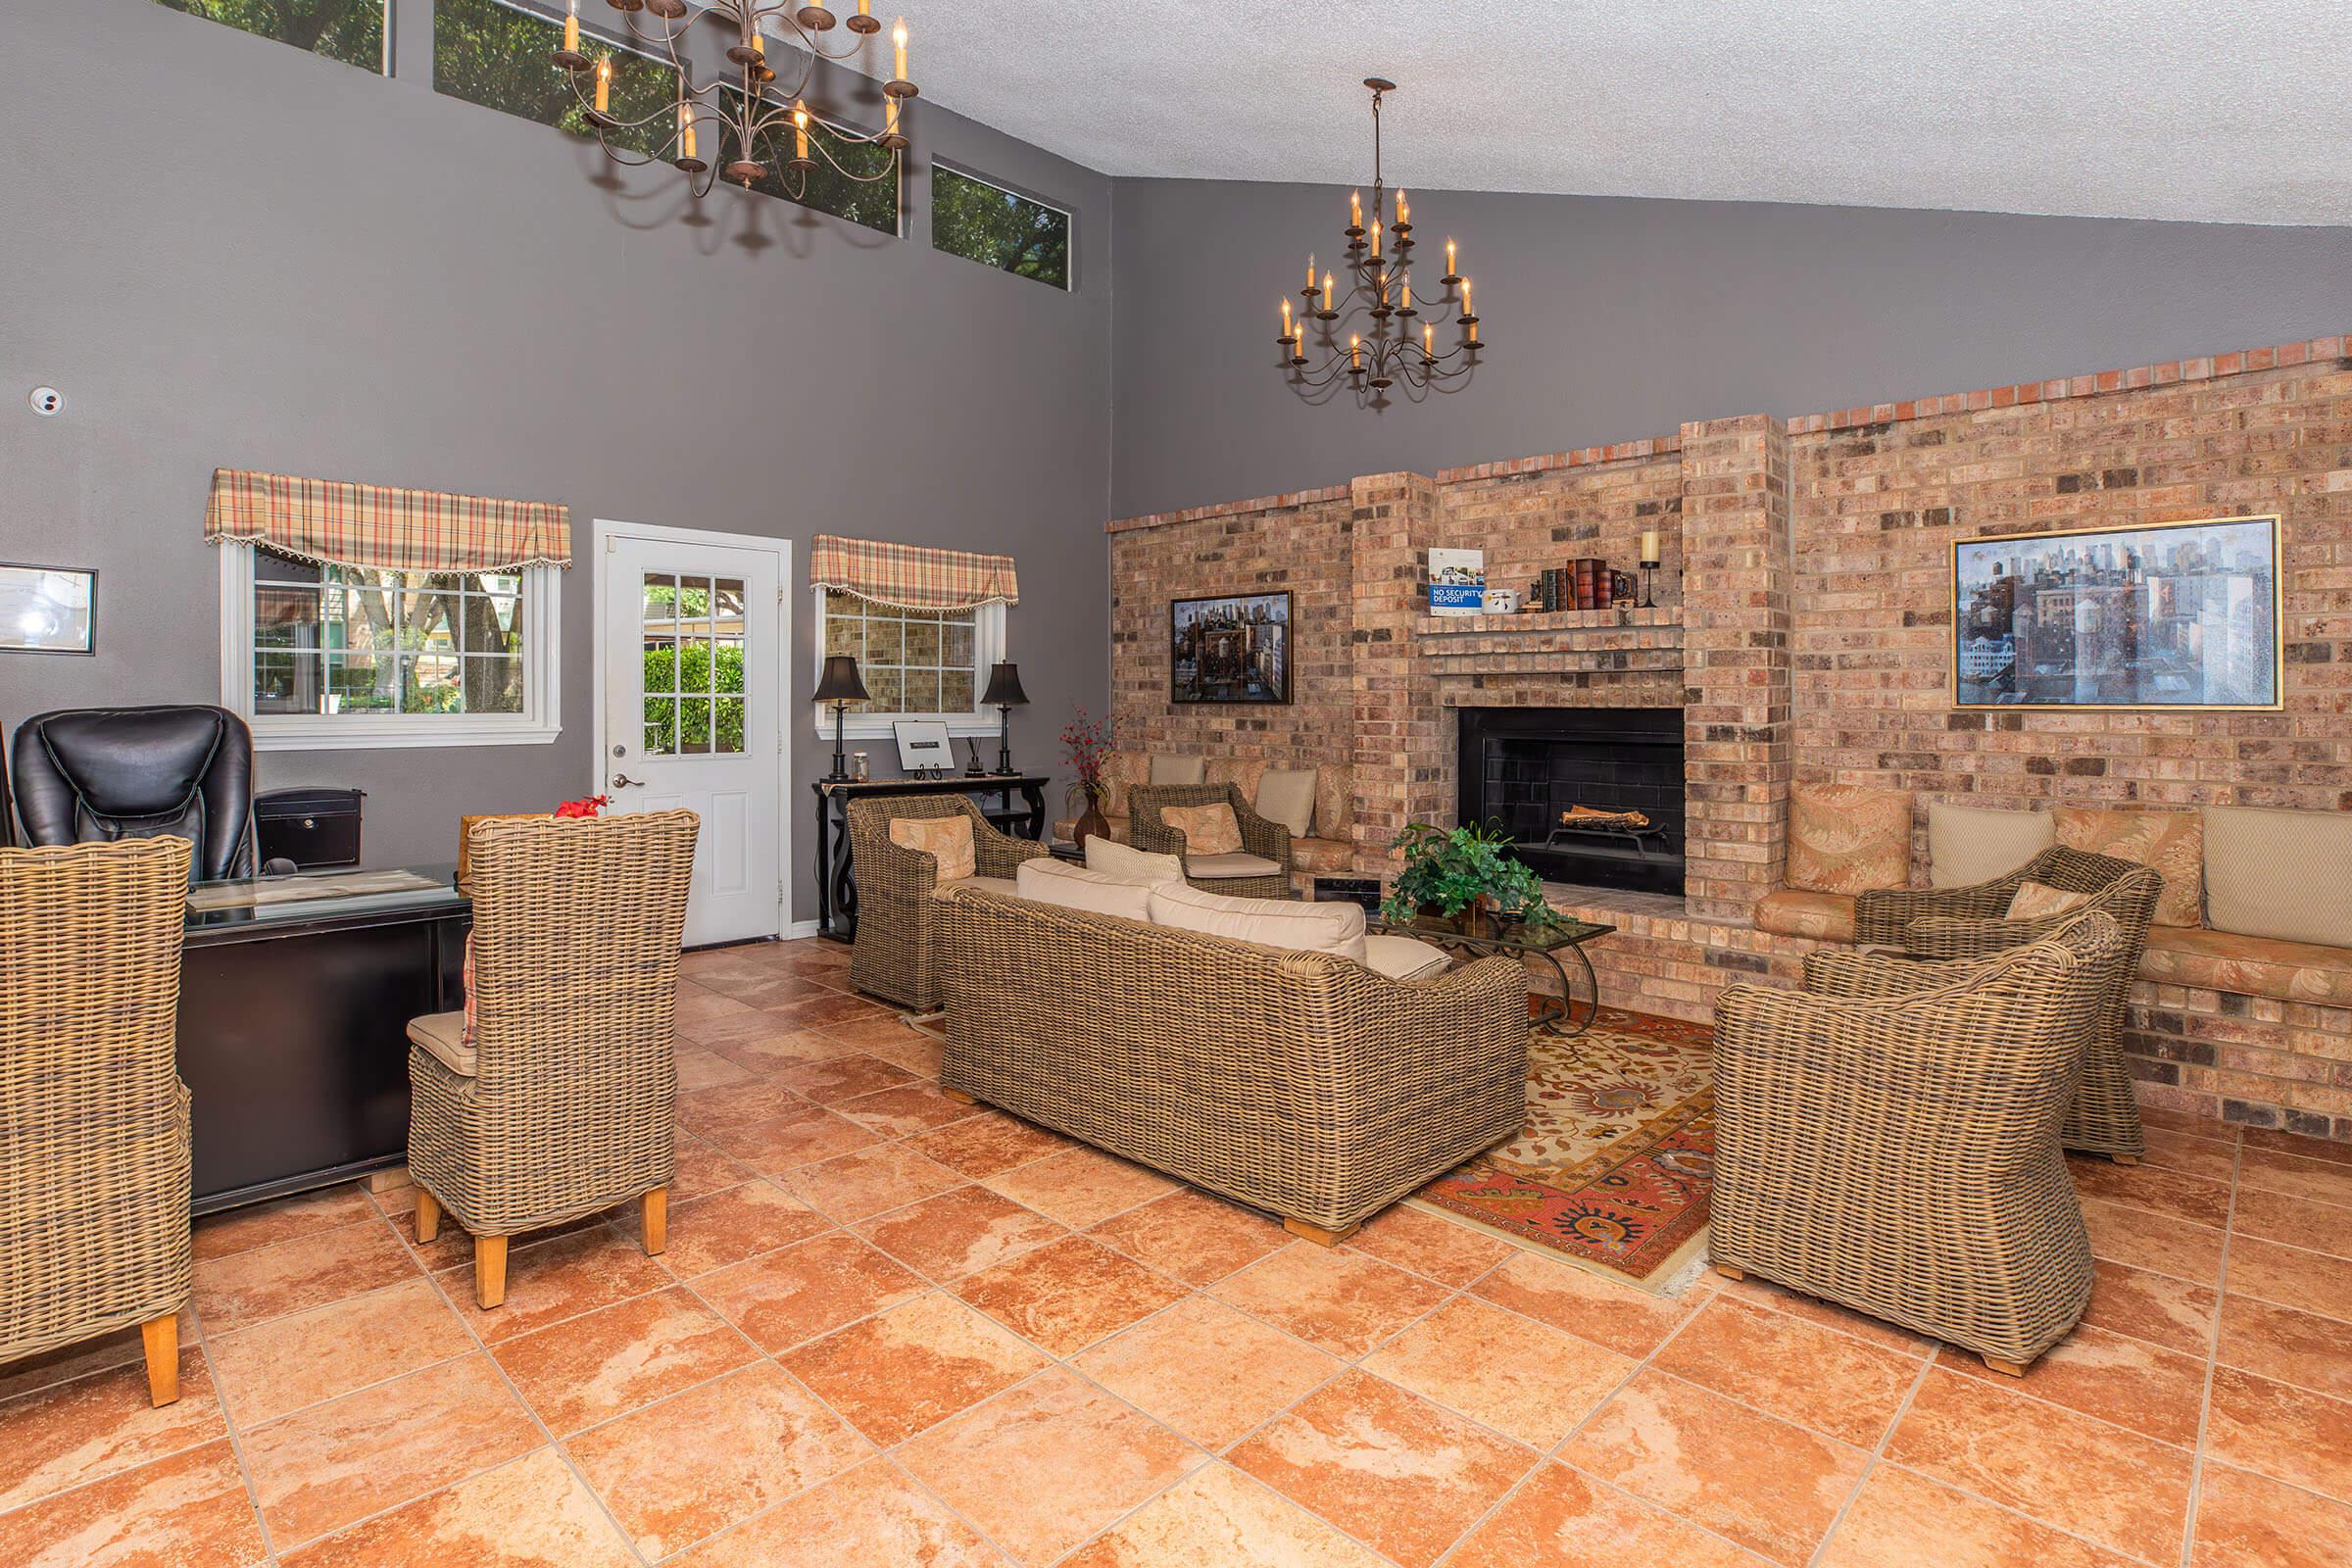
(1455, 874)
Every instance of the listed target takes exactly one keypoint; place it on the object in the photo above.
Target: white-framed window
(319, 658)
(916, 664)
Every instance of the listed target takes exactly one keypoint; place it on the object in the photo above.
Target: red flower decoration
(587, 807)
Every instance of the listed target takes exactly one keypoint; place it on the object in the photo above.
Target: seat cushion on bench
(2252, 967)
(443, 1037)
(1795, 912)
(1326, 856)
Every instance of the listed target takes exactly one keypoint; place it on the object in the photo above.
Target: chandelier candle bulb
(898, 39)
(604, 84)
(571, 29)
(1355, 209)
(890, 116)
(1451, 268)
(1330, 305)
(1355, 351)
(800, 130)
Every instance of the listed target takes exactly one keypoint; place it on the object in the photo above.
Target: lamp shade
(1005, 688)
(841, 682)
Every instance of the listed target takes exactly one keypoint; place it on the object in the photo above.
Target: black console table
(293, 1031)
(836, 884)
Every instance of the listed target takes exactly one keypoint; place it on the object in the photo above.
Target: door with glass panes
(692, 717)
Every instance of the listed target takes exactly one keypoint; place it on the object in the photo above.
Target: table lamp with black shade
(1004, 694)
(840, 685)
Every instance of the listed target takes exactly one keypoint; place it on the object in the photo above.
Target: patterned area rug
(1614, 1169)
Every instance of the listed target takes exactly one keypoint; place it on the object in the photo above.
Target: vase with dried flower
(1085, 746)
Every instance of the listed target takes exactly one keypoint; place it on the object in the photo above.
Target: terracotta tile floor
(891, 1331)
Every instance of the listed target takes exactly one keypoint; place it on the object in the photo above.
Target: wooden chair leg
(1731, 1273)
(1318, 1234)
(489, 1270)
(2124, 1160)
(657, 1222)
(429, 1216)
(2007, 1369)
(161, 1338)
(959, 1095)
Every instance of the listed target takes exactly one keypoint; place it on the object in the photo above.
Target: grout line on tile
(2213, 1355)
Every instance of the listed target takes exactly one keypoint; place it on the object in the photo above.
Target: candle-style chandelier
(737, 130)
(1391, 332)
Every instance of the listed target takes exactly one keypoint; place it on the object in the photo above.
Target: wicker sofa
(1302, 1083)
(1889, 1137)
(1328, 848)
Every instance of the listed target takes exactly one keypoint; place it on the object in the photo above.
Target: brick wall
(1805, 632)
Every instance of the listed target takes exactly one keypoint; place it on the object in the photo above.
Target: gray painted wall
(239, 253)
(1613, 319)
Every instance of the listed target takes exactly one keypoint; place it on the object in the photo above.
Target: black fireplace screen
(1525, 767)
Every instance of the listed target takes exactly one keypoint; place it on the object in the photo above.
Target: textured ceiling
(2216, 109)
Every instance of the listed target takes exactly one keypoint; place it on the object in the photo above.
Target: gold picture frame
(1976, 661)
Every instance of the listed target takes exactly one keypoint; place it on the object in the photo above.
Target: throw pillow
(1131, 865)
(1122, 771)
(1287, 794)
(2173, 842)
(1044, 880)
(1166, 769)
(1335, 801)
(945, 839)
(1207, 829)
(2036, 900)
(1844, 838)
(2286, 875)
(1336, 928)
(1972, 844)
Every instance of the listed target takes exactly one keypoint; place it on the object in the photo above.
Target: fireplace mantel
(1579, 642)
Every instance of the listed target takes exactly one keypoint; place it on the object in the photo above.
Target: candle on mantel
(604, 84)
(571, 29)
(800, 129)
(1649, 548)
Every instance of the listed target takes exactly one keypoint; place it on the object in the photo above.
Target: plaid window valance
(375, 526)
(911, 576)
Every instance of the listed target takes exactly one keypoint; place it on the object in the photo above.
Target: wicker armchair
(561, 1104)
(94, 1137)
(1887, 1139)
(894, 954)
(1972, 924)
(1260, 838)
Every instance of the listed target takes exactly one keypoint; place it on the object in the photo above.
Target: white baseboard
(800, 929)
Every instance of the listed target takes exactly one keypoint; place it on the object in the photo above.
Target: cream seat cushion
(1287, 794)
(1131, 865)
(443, 1035)
(1402, 959)
(1972, 844)
(1334, 928)
(2286, 875)
(1004, 885)
(1046, 880)
(1223, 867)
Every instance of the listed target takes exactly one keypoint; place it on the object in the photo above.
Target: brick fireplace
(1803, 632)
(1522, 769)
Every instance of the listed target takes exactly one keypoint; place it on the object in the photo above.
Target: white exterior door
(692, 639)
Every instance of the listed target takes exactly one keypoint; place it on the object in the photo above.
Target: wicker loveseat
(893, 957)
(1297, 1082)
(1262, 869)
(1889, 1137)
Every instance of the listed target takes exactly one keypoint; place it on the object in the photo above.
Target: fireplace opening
(1523, 767)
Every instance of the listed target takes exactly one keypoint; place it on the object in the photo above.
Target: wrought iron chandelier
(1391, 332)
(736, 129)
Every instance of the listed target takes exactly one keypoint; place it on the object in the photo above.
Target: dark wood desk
(837, 887)
(293, 1033)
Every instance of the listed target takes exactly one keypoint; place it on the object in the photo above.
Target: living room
(1660, 867)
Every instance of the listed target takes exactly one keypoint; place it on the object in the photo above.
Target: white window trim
(988, 637)
(538, 724)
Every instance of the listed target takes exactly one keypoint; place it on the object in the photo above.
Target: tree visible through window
(349, 31)
(989, 224)
(351, 640)
(500, 57)
(693, 665)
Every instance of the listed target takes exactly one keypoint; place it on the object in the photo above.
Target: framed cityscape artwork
(1234, 649)
(2177, 614)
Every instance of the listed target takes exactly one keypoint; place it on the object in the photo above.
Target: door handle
(622, 781)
